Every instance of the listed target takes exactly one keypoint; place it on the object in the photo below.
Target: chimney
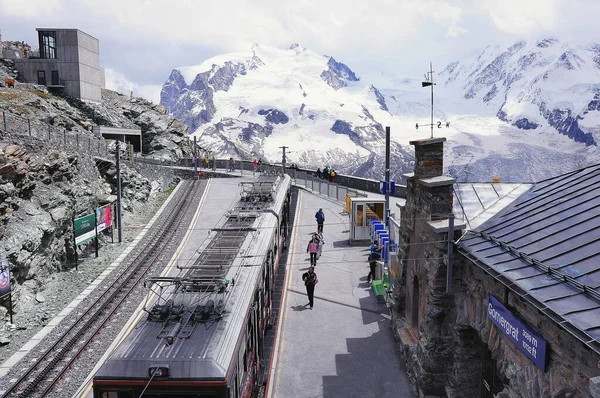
(429, 157)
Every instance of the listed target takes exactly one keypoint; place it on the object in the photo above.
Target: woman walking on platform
(313, 249)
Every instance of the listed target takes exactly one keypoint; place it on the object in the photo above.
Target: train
(203, 334)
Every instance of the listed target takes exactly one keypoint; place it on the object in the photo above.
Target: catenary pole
(195, 158)
(387, 175)
(283, 157)
(119, 230)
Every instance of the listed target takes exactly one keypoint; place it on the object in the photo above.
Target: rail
(48, 370)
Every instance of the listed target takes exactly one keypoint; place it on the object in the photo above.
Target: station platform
(344, 346)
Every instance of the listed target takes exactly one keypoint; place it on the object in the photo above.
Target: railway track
(53, 363)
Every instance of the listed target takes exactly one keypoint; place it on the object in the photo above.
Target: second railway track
(76, 334)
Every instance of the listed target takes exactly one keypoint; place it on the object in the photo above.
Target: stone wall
(444, 336)
(570, 364)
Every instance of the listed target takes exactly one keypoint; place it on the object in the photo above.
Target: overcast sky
(141, 41)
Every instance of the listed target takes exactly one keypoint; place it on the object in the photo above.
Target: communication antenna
(429, 82)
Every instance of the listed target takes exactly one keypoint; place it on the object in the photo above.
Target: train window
(117, 394)
(170, 394)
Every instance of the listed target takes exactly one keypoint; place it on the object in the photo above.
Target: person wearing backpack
(374, 255)
(320, 217)
(310, 280)
(313, 249)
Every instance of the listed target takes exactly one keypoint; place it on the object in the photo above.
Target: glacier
(521, 114)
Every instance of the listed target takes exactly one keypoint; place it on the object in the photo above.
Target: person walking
(313, 249)
(255, 164)
(206, 161)
(318, 174)
(320, 216)
(332, 175)
(310, 280)
(326, 173)
(374, 255)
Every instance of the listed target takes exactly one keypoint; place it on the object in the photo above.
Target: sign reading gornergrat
(528, 341)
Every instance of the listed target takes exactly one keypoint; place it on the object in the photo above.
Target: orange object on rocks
(9, 82)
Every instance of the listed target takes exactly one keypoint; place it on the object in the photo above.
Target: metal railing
(54, 137)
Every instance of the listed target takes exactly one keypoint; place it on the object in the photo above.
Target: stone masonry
(445, 336)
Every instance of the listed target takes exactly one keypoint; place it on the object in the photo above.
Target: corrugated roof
(546, 245)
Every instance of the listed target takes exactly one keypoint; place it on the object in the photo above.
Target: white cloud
(146, 38)
(523, 18)
(118, 82)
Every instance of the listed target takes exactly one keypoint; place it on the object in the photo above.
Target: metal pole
(431, 71)
(450, 252)
(49, 132)
(195, 157)
(89, 144)
(119, 230)
(77, 139)
(29, 126)
(65, 138)
(283, 160)
(387, 176)
(75, 243)
(96, 226)
(5, 129)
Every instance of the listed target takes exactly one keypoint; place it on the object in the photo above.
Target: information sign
(85, 229)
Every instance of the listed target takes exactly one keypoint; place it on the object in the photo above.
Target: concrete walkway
(344, 346)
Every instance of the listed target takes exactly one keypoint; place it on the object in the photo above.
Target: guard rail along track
(41, 377)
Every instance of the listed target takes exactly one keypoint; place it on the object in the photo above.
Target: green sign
(85, 229)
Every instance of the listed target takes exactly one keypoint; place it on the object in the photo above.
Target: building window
(47, 44)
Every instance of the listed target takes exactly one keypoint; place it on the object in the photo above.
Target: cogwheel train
(203, 335)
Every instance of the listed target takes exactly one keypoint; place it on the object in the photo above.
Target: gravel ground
(88, 359)
(35, 312)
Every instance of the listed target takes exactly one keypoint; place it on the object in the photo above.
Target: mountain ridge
(498, 103)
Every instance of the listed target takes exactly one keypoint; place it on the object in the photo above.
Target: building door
(491, 382)
(360, 227)
(54, 78)
(41, 75)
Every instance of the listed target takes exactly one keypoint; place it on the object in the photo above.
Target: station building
(69, 59)
(520, 314)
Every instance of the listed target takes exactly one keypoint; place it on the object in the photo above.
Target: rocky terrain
(46, 182)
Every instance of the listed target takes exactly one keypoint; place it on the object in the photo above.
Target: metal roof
(475, 203)
(546, 246)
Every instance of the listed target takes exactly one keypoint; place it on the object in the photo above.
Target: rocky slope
(44, 185)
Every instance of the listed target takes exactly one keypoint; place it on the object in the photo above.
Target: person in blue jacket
(320, 216)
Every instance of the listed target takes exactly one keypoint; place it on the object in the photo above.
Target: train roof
(210, 298)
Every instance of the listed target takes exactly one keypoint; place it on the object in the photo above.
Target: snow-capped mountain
(520, 114)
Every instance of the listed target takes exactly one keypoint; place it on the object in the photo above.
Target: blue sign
(526, 339)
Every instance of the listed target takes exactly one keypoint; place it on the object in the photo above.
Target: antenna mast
(429, 82)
